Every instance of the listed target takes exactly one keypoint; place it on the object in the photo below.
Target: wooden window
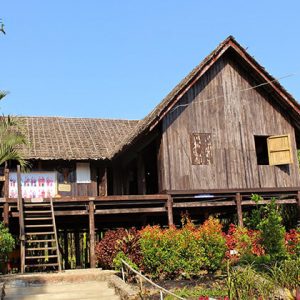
(83, 173)
(201, 148)
(261, 148)
(279, 150)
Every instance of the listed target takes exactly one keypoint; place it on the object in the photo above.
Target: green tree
(11, 139)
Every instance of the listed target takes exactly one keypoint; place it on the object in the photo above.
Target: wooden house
(226, 131)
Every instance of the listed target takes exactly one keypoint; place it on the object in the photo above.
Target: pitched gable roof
(72, 138)
(152, 119)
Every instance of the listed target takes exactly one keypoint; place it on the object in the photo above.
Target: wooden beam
(228, 203)
(6, 214)
(6, 195)
(284, 201)
(67, 199)
(21, 220)
(203, 204)
(92, 234)
(102, 187)
(238, 200)
(232, 191)
(71, 213)
(6, 183)
(130, 210)
(170, 211)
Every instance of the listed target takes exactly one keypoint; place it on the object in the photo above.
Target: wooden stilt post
(170, 210)
(66, 250)
(6, 214)
(77, 248)
(92, 234)
(6, 195)
(238, 199)
(21, 220)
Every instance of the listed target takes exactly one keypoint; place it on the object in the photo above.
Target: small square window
(83, 173)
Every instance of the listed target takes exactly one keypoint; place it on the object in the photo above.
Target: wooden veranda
(163, 204)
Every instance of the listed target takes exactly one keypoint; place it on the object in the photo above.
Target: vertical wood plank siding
(233, 118)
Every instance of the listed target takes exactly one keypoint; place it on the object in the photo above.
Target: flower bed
(193, 251)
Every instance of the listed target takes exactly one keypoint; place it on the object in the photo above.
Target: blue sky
(118, 59)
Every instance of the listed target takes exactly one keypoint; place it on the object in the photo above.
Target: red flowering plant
(116, 241)
(241, 241)
(292, 242)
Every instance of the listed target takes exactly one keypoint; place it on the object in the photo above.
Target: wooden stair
(39, 243)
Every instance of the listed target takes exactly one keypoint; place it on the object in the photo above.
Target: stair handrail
(161, 289)
(55, 234)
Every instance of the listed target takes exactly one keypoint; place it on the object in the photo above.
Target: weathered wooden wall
(232, 118)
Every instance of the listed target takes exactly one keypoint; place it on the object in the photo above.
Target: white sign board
(34, 185)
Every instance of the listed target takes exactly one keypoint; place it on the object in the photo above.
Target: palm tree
(11, 139)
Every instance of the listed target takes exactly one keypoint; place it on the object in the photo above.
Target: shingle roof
(174, 96)
(72, 138)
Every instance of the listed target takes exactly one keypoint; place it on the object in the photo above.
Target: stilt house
(226, 131)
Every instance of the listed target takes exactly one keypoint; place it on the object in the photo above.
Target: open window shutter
(279, 150)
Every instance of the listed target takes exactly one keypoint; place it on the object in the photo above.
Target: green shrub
(7, 242)
(253, 219)
(185, 252)
(170, 253)
(118, 264)
(273, 232)
(213, 243)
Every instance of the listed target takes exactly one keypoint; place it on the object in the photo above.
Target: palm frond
(11, 139)
(2, 94)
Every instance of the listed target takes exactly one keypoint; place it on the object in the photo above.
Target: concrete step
(70, 297)
(56, 287)
(61, 291)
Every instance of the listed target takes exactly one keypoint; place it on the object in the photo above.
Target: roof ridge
(77, 118)
(175, 94)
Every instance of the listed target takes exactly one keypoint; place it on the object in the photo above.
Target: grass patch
(216, 290)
